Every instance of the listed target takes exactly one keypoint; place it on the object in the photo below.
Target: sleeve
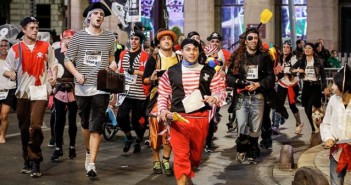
(164, 92)
(231, 78)
(325, 127)
(72, 50)
(51, 58)
(218, 88)
(112, 46)
(149, 67)
(11, 63)
(268, 80)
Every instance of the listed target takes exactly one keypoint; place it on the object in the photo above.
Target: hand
(329, 143)
(301, 71)
(113, 66)
(80, 78)
(164, 114)
(13, 76)
(52, 81)
(210, 100)
(153, 77)
(253, 86)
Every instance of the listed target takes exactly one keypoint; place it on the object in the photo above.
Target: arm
(149, 72)
(218, 91)
(53, 66)
(112, 62)
(325, 127)
(164, 93)
(10, 65)
(70, 67)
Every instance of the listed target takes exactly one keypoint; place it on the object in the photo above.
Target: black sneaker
(137, 148)
(51, 143)
(72, 153)
(56, 155)
(27, 168)
(35, 170)
(127, 145)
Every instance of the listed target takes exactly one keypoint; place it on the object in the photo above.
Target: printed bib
(92, 58)
(3, 95)
(130, 79)
(252, 72)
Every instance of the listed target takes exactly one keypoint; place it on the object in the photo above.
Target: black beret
(189, 41)
(99, 5)
(192, 34)
(137, 33)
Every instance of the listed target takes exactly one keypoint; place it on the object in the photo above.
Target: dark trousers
(283, 92)
(60, 122)
(30, 115)
(311, 97)
(137, 108)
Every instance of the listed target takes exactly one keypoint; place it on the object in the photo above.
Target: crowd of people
(176, 86)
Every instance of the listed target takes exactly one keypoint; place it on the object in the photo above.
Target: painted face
(251, 41)
(216, 42)
(96, 18)
(308, 50)
(31, 31)
(197, 38)
(190, 53)
(135, 43)
(336, 89)
(166, 43)
(286, 49)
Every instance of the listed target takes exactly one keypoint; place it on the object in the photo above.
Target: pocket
(239, 103)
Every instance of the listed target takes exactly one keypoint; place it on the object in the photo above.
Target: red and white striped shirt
(190, 79)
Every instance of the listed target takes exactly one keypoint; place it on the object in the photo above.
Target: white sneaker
(91, 172)
(87, 161)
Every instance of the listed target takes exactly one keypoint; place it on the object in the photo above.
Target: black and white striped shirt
(86, 50)
(136, 90)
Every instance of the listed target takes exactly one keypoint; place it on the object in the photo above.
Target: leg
(335, 177)
(60, 115)
(72, 128)
(5, 109)
(138, 123)
(23, 116)
(123, 120)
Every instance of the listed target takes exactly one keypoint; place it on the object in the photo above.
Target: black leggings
(311, 97)
(283, 93)
(138, 116)
(61, 109)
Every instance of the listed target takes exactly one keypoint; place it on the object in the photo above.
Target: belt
(308, 82)
(4, 90)
(249, 93)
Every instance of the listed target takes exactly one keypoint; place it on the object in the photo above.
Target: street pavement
(115, 167)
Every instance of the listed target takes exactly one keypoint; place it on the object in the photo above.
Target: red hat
(68, 33)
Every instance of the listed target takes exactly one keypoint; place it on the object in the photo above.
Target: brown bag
(110, 81)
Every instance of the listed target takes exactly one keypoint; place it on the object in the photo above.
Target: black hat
(99, 5)
(137, 33)
(214, 35)
(192, 34)
(251, 30)
(28, 20)
(342, 79)
(310, 44)
(189, 41)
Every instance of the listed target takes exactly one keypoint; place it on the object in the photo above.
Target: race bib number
(130, 79)
(92, 58)
(252, 72)
(3, 95)
(310, 72)
(122, 96)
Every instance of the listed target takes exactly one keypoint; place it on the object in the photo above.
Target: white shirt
(336, 124)
(5, 83)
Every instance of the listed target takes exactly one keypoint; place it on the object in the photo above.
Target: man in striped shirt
(132, 64)
(181, 85)
(91, 50)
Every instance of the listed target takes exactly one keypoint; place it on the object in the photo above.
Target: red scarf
(345, 156)
(291, 93)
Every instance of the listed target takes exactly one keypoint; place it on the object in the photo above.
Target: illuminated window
(301, 19)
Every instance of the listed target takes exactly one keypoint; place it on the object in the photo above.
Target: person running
(312, 73)
(89, 51)
(192, 89)
(32, 91)
(132, 64)
(164, 59)
(251, 73)
(7, 92)
(288, 85)
(64, 100)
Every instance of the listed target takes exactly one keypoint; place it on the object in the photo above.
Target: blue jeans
(249, 113)
(336, 178)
